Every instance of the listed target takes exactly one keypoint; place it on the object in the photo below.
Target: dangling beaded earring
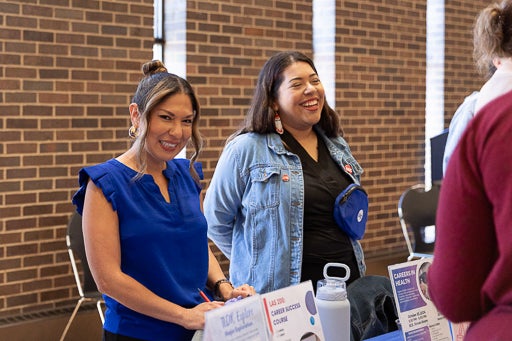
(278, 124)
(132, 132)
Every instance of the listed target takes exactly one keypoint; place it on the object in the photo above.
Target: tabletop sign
(419, 318)
(292, 314)
(243, 320)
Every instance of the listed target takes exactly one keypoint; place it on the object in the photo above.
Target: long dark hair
(260, 116)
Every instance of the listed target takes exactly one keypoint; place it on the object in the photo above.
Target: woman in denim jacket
(270, 203)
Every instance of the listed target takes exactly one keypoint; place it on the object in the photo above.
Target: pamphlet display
(285, 314)
(419, 318)
(243, 320)
(292, 313)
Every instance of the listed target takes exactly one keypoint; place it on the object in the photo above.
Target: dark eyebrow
(174, 115)
(300, 78)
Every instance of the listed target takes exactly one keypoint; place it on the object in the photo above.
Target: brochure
(292, 314)
(287, 314)
(419, 318)
(243, 320)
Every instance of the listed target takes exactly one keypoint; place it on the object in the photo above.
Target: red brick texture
(68, 69)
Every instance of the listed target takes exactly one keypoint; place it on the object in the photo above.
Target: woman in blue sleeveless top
(144, 231)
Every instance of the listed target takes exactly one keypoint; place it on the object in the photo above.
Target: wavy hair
(260, 116)
(492, 36)
(155, 87)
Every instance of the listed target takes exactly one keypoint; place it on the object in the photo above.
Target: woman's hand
(244, 290)
(193, 318)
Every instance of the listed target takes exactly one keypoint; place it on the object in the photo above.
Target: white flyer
(292, 314)
(419, 318)
(243, 320)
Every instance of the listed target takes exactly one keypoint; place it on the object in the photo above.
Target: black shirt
(324, 241)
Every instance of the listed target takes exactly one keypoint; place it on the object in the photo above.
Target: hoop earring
(278, 124)
(133, 132)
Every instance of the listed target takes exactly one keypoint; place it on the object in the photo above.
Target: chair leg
(71, 318)
(100, 311)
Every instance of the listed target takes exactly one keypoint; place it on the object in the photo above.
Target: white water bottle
(333, 305)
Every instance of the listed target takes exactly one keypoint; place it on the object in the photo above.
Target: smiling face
(170, 128)
(300, 97)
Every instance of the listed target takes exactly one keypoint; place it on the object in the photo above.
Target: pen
(203, 295)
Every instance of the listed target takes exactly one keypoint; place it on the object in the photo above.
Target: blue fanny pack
(351, 211)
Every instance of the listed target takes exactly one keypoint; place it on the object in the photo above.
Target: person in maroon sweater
(470, 278)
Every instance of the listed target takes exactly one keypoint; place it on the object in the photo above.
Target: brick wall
(68, 69)
(381, 94)
(461, 76)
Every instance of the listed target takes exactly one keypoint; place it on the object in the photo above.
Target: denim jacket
(254, 207)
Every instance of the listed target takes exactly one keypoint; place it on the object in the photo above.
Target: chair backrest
(76, 248)
(417, 210)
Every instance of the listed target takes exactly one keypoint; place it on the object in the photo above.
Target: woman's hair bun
(152, 67)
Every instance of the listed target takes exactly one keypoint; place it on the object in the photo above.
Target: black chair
(417, 210)
(86, 286)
